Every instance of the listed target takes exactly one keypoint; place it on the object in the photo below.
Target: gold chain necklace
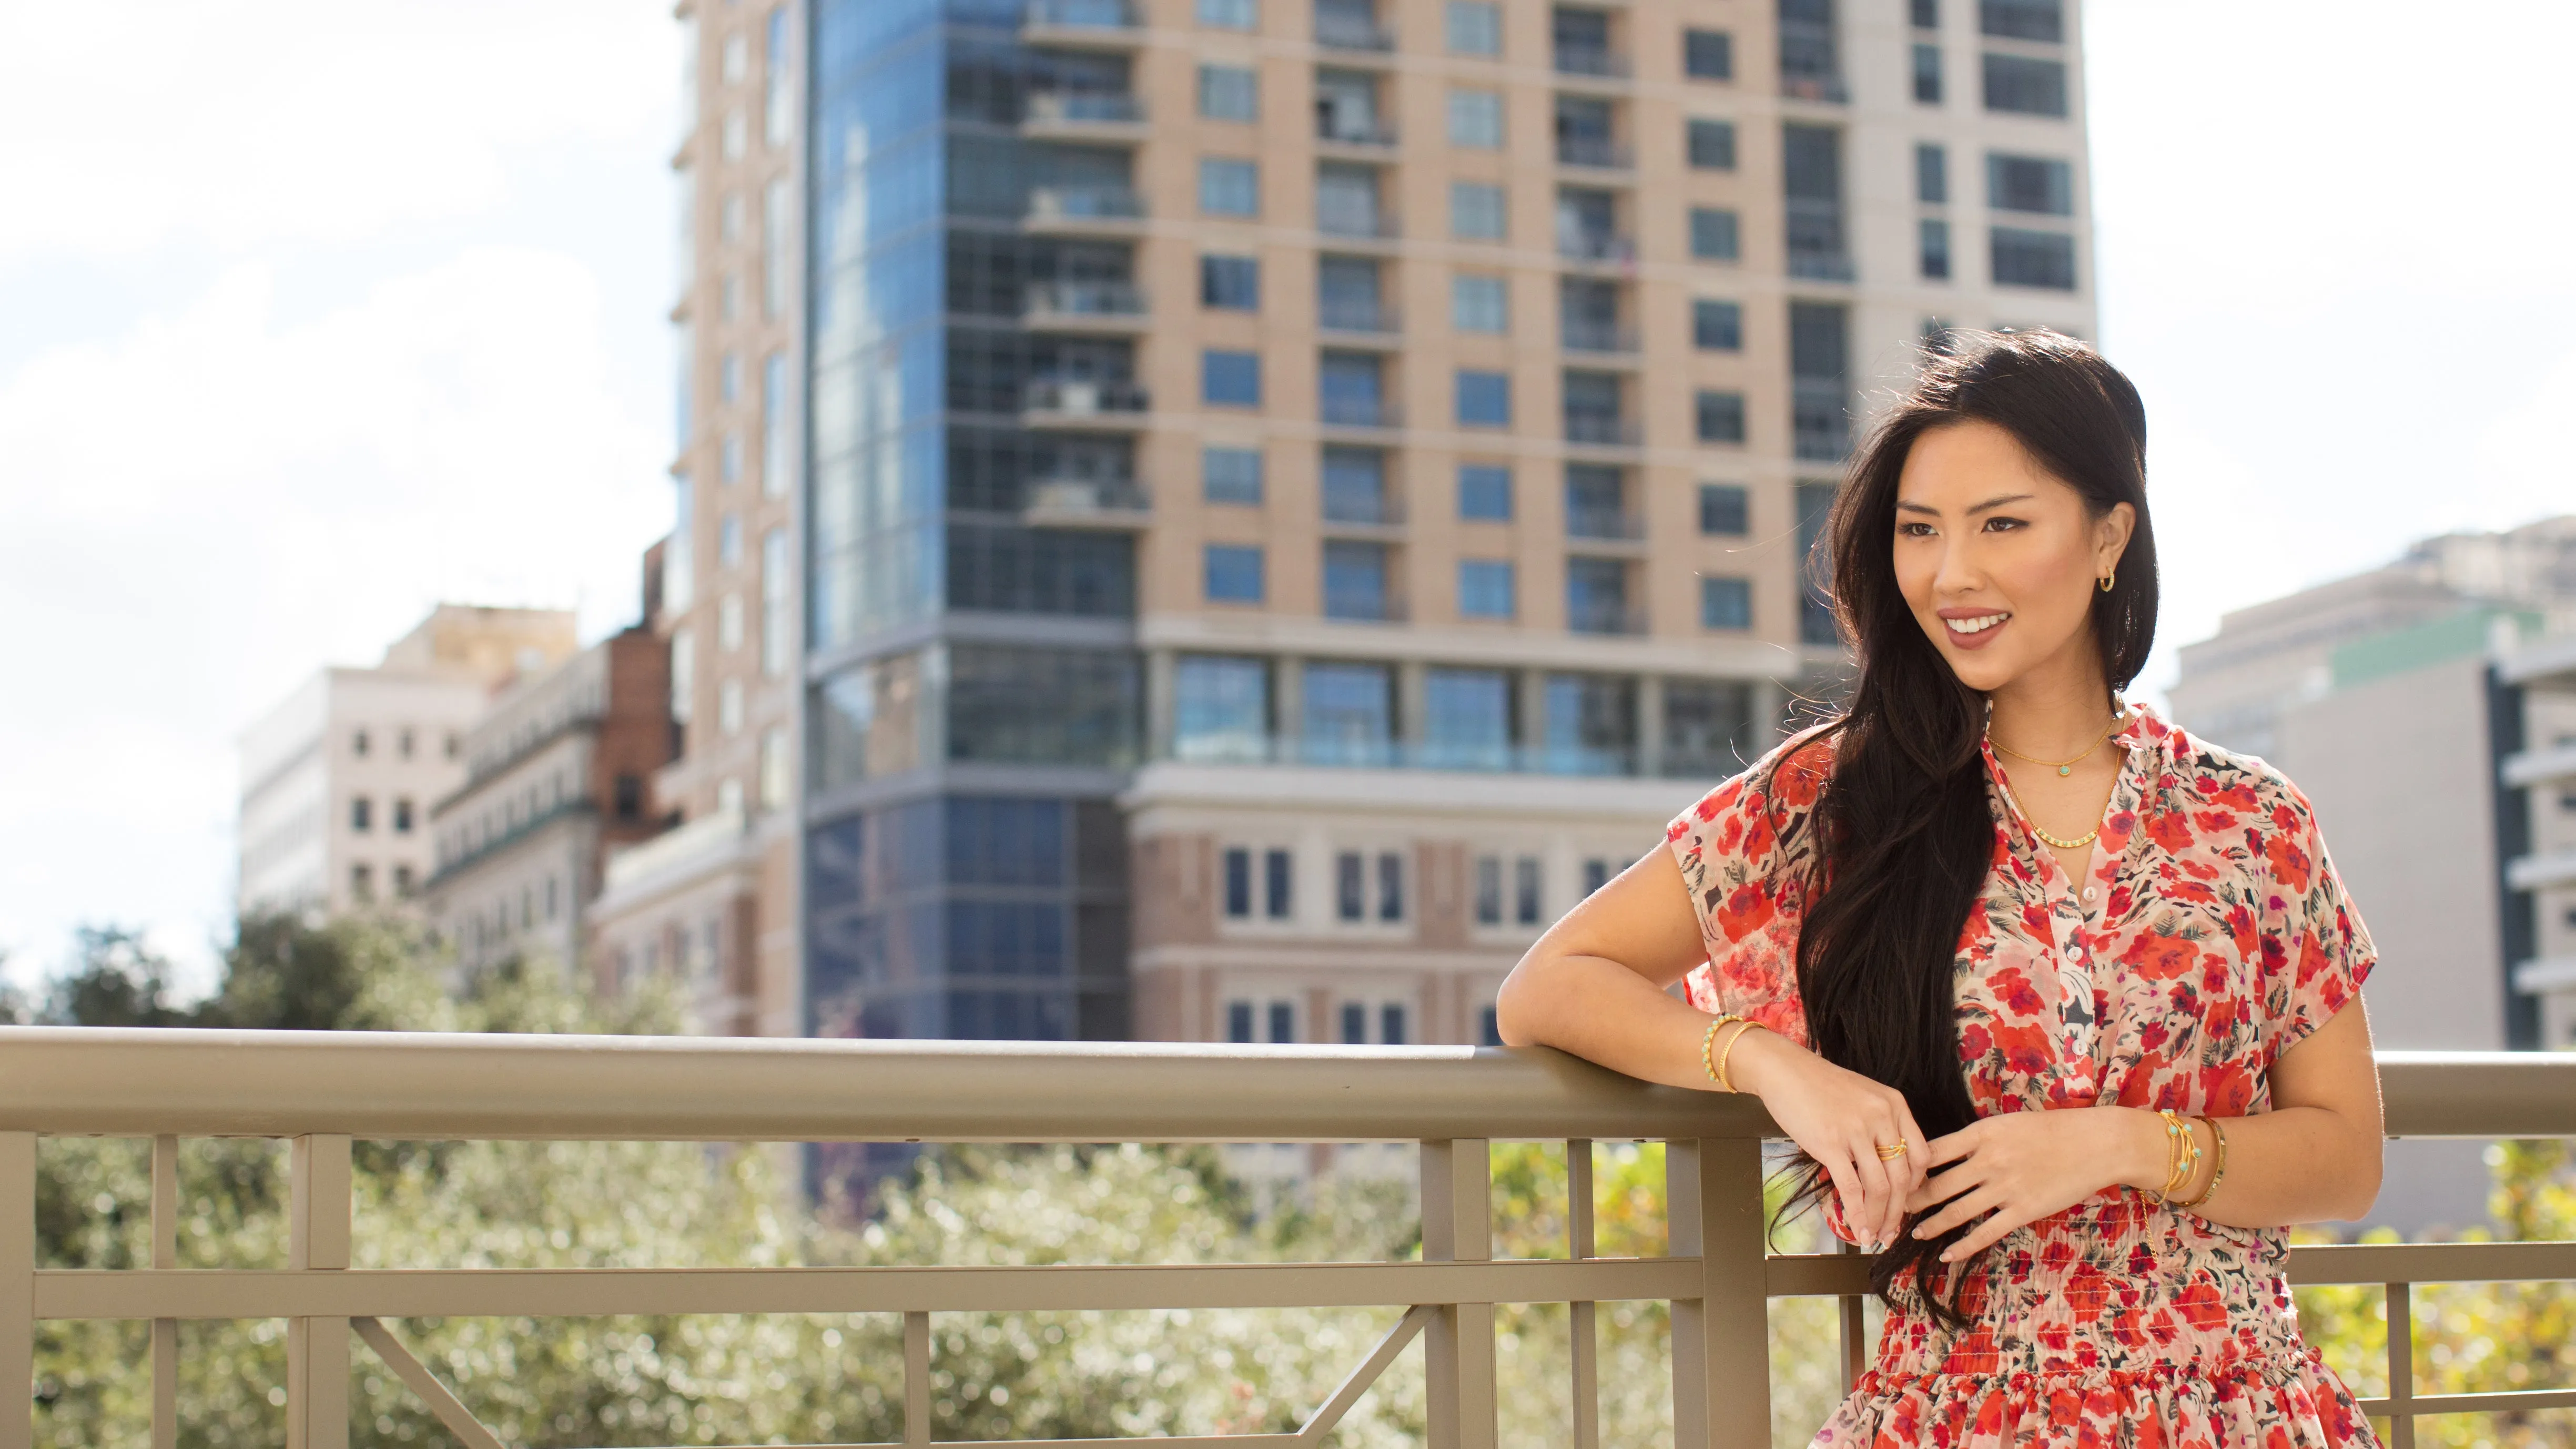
(2063, 767)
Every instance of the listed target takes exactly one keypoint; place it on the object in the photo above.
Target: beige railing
(321, 1090)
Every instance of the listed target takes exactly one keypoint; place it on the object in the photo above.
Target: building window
(362, 882)
(629, 801)
(1230, 379)
(1596, 874)
(1354, 389)
(1479, 303)
(1390, 907)
(1934, 238)
(729, 459)
(358, 742)
(777, 621)
(2041, 185)
(1355, 581)
(1349, 713)
(1712, 234)
(1931, 174)
(1708, 55)
(1485, 492)
(1720, 416)
(1467, 721)
(1476, 119)
(404, 882)
(1475, 27)
(729, 541)
(2022, 19)
(1711, 145)
(1725, 603)
(1228, 187)
(1485, 588)
(2021, 85)
(1489, 1027)
(1238, 884)
(1476, 211)
(1355, 486)
(1926, 14)
(1228, 93)
(1484, 399)
(1233, 574)
(1230, 15)
(2033, 258)
(729, 623)
(402, 815)
(1525, 896)
(1238, 1014)
(1230, 283)
(729, 707)
(403, 743)
(1350, 886)
(1354, 1024)
(1489, 890)
(1278, 872)
(1810, 67)
(1717, 326)
(1221, 709)
(362, 814)
(1927, 75)
(1283, 1022)
(1725, 510)
(774, 784)
(1231, 475)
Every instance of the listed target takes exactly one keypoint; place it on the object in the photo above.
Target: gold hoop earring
(2106, 583)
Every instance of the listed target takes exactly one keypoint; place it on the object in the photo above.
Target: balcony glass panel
(1349, 716)
(1221, 709)
(1466, 719)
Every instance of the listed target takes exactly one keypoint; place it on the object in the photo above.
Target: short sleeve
(2316, 951)
(1743, 851)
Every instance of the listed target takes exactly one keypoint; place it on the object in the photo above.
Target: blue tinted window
(1349, 714)
(1711, 145)
(1230, 379)
(1006, 938)
(1726, 603)
(1233, 475)
(1485, 588)
(1712, 234)
(1721, 417)
(1228, 188)
(996, 841)
(1931, 174)
(1221, 709)
(2027, 86)
(1228, 93)
(1467, 719)
(1238, 886)
(1708, 55)
(1230, 15)
(1484, 491)
(1717, 326)
(1355, 581)
(1233, 574)
(1232, 283)
(1238, 1022)
(2033, 258)
(1724, 508)
(1484, 399)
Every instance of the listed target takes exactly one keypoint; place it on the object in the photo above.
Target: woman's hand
(2014, 1168)
(1840, 1118)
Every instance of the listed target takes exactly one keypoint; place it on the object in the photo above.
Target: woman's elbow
(1516, 1008)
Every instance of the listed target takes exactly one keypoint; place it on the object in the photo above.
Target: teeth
(1978, 625)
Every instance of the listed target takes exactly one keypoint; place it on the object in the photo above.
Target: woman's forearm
(1603, 1012)
(2292, 1165)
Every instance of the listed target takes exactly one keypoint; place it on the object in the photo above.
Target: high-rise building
(338, 780)
(1271, 500)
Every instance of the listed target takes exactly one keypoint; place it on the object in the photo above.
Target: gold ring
(1890, 1151)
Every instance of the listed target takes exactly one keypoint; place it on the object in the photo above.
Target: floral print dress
(2210, 935)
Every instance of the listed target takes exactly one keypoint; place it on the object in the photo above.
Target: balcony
(1368, 134)
(1115, 210)
(1606, 619)
(1598, 62)
(1365, 413)
(1088, 505)
(1115, 307)
(1112, 24)
(1083, 403)
(1596, 525)
(1084, 116)
(1600, 430)
(1366, 223)
(1595, 153)
(1607, 248)
(2550, 766)
(1362, 317)
(324, 1091)
(1581, 334)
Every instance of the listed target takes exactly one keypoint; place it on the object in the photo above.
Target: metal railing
(1598, 152)
(321, 1090)
(1085, 203)
(1342, 30)
(1086, 108)
(1082, 398)
(1107, 300)
(1082, 14)
(1593, 60)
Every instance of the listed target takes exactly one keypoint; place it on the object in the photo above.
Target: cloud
(237, 122)
(201, 511)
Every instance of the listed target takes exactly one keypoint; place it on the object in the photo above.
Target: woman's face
(1997, 556)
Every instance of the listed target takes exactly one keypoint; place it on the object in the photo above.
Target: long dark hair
(1906, 837)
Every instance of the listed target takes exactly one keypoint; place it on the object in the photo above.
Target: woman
(2051, 995)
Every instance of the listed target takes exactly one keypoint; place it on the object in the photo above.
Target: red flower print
(2239, 796)
(1796, 781)
(2240, 928)
(2226, 1090)
(1747, 909)
(2290, 865)
(2088, 1292)
(2159, 958)
(2201, 1306)
(2016, 992)
(1974, 1044)
(2025, 1048)
(1757, 830)
(2169, 829)
(2213, 821)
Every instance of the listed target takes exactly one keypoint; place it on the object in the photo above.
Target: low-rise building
(557, 773)
(338, 778)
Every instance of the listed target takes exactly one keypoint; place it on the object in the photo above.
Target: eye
(1912, 529)
(2005, 525)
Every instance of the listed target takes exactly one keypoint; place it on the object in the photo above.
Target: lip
(1979, 639)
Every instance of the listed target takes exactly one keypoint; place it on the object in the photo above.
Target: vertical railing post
(2401, 1366)
(165, 1256)
(916, 1378)
(317, 1349)
(1722, 1339)
(1458, 1353)
(17, 1290)
(1582, 1243)
(1855, 1329)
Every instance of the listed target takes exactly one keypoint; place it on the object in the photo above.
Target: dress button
(2074, 952)
(2088, 893)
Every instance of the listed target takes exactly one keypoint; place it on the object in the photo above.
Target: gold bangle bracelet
(1708, 1045)
(2216, 1173)
(2182, 1155)
(1732, 1042)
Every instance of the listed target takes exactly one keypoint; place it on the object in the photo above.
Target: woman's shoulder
(2198, 773)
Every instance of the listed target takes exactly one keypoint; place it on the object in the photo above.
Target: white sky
(316, 313)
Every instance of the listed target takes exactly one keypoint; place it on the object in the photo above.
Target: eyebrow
(1906, 506)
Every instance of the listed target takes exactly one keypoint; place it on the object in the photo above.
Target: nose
(1958, 573)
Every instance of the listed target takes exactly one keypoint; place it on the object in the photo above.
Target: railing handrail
(141, 1081)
